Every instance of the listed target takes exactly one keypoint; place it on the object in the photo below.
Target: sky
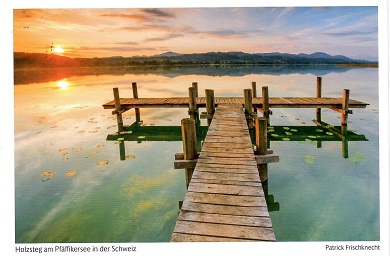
(95, 32)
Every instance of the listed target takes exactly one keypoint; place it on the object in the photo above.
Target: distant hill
(25, 60)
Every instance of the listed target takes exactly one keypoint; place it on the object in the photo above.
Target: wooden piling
(135, 96)
(193, 109)
(319, 89)
(254, 94)
(261, 145)
(118, 109)
(188, 131)
(344, 114)
(210, 105)
(195, 85)
(265, 96)
(248, 106)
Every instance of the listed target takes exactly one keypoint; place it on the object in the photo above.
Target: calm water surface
(88, 194)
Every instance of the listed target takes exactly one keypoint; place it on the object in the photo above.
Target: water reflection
(27, 76)
(63, 84)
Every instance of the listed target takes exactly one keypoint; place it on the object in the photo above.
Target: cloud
(158, 13)
(163, 38)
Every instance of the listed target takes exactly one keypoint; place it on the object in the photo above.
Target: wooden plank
(227, 182)
(226, 176)
(221, 230)
(225, 199)
(223, 219)
(180, 237)
(226, 189)
(259, 211)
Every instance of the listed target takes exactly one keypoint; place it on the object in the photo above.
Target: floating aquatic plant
(141, 137)
(360, 157)
(130, 156)
(286, 128)
(309, 159)
(274, 135)
(319, 130)
(93, 153)
(120, 139)
(312, 137)
(71, 173)
(288, 133)
(293, 130)
(48, 174)
(126, 132)
(286, 139)
(101, 163)
(100, 145)
(329, 133)
(79, 149)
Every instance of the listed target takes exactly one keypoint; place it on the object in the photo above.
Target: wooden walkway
(225, 199)
(274, 102)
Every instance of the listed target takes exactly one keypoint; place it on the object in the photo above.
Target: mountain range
(22, 60)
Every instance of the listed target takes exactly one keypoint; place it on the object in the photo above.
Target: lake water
(72, 186)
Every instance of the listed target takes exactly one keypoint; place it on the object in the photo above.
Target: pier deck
(225, 200)
(274, 102)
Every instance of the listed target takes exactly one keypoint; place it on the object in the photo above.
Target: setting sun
(58, 49)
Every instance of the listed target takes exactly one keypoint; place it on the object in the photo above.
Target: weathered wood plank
(180, 237)
(259, 211)
(228, 182)
(225, 199)
(230, 231)
(226, 189)
(226, 219)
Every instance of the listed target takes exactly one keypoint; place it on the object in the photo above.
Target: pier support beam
(188, 131)
(135, 96)
(248, 107)
(319, 89)
(193, 108)
(344, 114)
(118, 109)
(254, 94)
(261, 146)
(265, 96)
(210, 105)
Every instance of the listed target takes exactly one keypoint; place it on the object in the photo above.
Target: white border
(313, 248)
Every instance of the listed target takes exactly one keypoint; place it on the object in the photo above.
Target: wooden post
(193, 108)
(118, 110)
(344, 145)
(248, 107)
(135, 96)
(261, 145)
(254, 94)
(122, 150)
(319, 89)
(188, 133)
(210, 105)
(344, 114)
(266, 111)
(195, 85)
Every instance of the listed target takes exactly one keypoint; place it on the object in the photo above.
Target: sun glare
(58, 49)
(63, 84)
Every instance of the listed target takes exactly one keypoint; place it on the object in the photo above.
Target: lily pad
(319, 130)
(79, 149)
(301, 142)
(329, 133)
(274, 135)
(286, 128)
(293, 130)
(288, 133)
(120, 139)
(141, 137)
(312, 137)
(71, 173)
(309, 159)
(130, 156)
(100, 145)
(286, 139)
(101, 163)
(93, 153)
(48, 174)
(126, 132)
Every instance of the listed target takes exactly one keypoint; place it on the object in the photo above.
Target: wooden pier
(227, 181)
(225, 199)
